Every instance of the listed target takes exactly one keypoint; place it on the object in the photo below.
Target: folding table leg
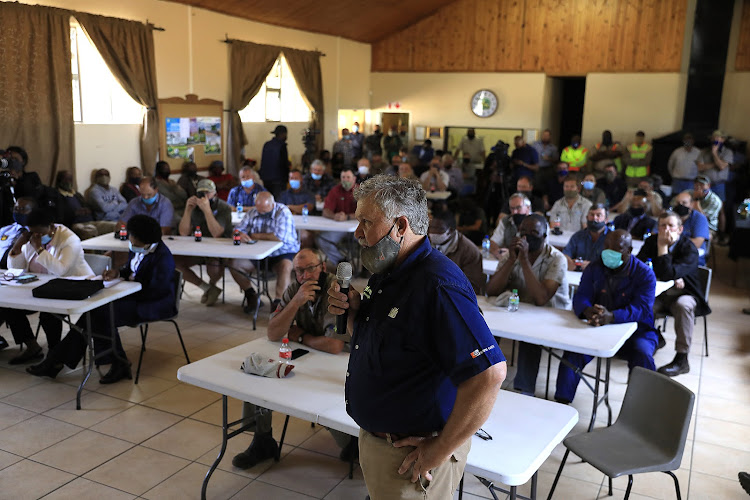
(281, 442)
(224, 439)
(596, 392)
(512, 493)
(533, 485)
(606, 391)
(461, 488)
(86, 373)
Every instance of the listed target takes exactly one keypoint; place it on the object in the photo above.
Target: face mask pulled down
(382, 256)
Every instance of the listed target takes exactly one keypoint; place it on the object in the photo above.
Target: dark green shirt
(222, 214)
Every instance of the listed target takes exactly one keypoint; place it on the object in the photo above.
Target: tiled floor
(156, 440)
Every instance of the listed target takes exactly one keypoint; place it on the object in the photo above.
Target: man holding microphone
(424, 369)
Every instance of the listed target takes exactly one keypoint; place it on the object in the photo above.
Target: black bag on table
(60, 288)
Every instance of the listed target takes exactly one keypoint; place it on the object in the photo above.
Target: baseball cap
(205, 185)
(279, 129)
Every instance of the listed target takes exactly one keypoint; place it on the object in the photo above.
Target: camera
(200, 194)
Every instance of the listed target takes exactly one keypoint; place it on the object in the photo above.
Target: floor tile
(323, 473)
(7, 459)
(35, 434)
(187, 439)
(724, 409)
(258, 489)
(145, 469)
(146, 388)
(11, 415)
(182, 399)
(44, 396)
(718, 460)
(81, 489)
(137, 424)
(723, 433)
(236, 445)
(23, 480)
(705, 486)
(322, 442)
(12, 381)
(355, 488)
(297, 432)
(94, 409)
(212, 414)
(80, 453)
(188, 482)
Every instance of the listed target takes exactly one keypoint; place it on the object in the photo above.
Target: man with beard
(586, 245)
(457, 247)
(537, 270)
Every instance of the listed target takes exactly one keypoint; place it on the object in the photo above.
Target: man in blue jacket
(618, 288)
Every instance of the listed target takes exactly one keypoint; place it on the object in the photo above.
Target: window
(279, 98)
(97, 95)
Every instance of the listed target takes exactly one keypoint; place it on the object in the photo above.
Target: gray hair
(246, 169)
(522, 197)
(317, 163)
(397, 197)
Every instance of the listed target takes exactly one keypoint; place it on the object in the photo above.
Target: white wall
(114, 147)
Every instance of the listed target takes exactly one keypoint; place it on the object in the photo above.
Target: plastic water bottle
(198, 233)
(650, 264)
(305, 212)
(239, 207)
(513, 301)
(646, 235)
(486, 246)
(611, 226)
(285, 352)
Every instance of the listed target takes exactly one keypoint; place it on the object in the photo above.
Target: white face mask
(363, 170)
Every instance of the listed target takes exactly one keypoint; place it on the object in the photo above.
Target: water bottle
(123, 233)
(236, 238)
(646, 234)
(486, 246)
(611, 226)
(198, 234)
(305, 212)
(285, 352)
(513, 301)
(650, 264)
(239, 206)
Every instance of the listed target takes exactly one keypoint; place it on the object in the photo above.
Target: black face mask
(135, 180)
(681, 210)
(637, 212)
(535, 242)
(518, 218)
(592, 225)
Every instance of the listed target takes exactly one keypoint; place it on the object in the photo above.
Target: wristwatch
(301, 337)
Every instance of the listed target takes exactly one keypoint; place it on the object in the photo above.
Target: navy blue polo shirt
(417, 336)
(526, 154)
(582, 245)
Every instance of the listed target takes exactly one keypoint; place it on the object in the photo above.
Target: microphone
(344, 277)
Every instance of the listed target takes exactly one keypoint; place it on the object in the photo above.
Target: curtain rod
(230, 40)
(153, 27)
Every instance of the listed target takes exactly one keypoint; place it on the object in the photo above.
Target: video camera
(311, 147)
(7, 163)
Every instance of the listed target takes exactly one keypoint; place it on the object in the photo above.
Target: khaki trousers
(683, 309)
(380, 461)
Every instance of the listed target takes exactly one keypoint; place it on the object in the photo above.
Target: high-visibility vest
(617, 161)
(638, 153)
(575, 158)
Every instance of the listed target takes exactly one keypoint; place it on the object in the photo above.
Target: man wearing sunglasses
(302, 316)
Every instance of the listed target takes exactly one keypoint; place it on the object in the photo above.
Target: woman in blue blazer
(151, 264)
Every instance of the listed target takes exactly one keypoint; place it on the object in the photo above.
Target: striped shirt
(278, 221)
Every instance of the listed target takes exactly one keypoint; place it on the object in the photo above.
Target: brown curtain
(305, 66)
(250, 63)
(128, 49)
(36, 90)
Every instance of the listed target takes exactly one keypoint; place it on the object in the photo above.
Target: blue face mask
(588, 184)
(575, 145)
(248, 183)
(611, 258)
(346, 137)
(20, 218)
(136, 249)
(295, 184)
(150, 201)
(46, 239)
(317, 177)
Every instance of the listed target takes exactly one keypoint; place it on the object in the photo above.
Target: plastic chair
(177, 283)
(704, 274)
(97, 263)
(648, 436)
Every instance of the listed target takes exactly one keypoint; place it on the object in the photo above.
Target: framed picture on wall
(434, 132)
(420, 133)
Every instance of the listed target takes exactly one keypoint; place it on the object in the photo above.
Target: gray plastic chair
(648, 436)
(97, 263)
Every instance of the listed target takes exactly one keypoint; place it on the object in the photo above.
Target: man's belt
(392, 437)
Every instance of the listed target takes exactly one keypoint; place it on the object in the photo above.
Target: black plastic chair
(177, 283)
(648, 436)
(705, 274)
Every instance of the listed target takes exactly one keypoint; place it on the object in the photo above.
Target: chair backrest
(658, 409)
(704, 274)
(97, 263)
(177, 283)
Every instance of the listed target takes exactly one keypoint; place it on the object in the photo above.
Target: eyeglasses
(299, 271)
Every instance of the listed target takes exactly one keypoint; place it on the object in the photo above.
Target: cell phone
(299, 352)
(26, 278)
(251, 242)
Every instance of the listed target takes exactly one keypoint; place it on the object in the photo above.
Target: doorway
(572, 95)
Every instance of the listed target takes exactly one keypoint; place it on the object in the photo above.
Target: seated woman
(151, 264)
(47, 248)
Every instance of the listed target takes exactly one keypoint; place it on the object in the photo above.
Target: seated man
(214, 217)
(271, 221)
(554, 187)
(363, 170)
(636, 221)
(537, 270)
(224, 181)
(586, 245)
(457, 247)
(694, 224)
(616, 289)
(245, 193)
(77, 214)
(106, 200)
(405, 171)
(455, 176)
(150, 203)
(339, 206)
(472, 221)
(654, 198)
(169, 189)
(318, 182)
(131, 187)
(434, 179)
(707, 202)
(525, 186)
(507, 227)
(297, 196)
(302, 316)
(571, 209)
(612, 185)
(591, 192)
(674, 257)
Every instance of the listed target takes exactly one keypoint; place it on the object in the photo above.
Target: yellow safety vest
(575, 158)
(638, 153)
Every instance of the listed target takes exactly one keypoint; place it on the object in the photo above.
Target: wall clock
(484, 103)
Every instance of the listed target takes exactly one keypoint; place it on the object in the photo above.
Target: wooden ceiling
(360, 20)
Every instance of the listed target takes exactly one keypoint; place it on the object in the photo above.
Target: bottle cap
(285, 341)
(515, 290)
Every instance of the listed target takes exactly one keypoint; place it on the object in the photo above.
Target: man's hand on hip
(426, 456)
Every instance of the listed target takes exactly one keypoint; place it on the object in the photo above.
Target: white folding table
(524, 430)
(221, 248)
(20, 297)
(553, 328)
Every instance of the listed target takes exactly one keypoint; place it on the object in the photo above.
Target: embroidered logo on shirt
(367, 292)
(393, 313)
(478, 353)
(5, 237)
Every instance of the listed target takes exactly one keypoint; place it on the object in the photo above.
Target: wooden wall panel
(558, 37)
(742, 62)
